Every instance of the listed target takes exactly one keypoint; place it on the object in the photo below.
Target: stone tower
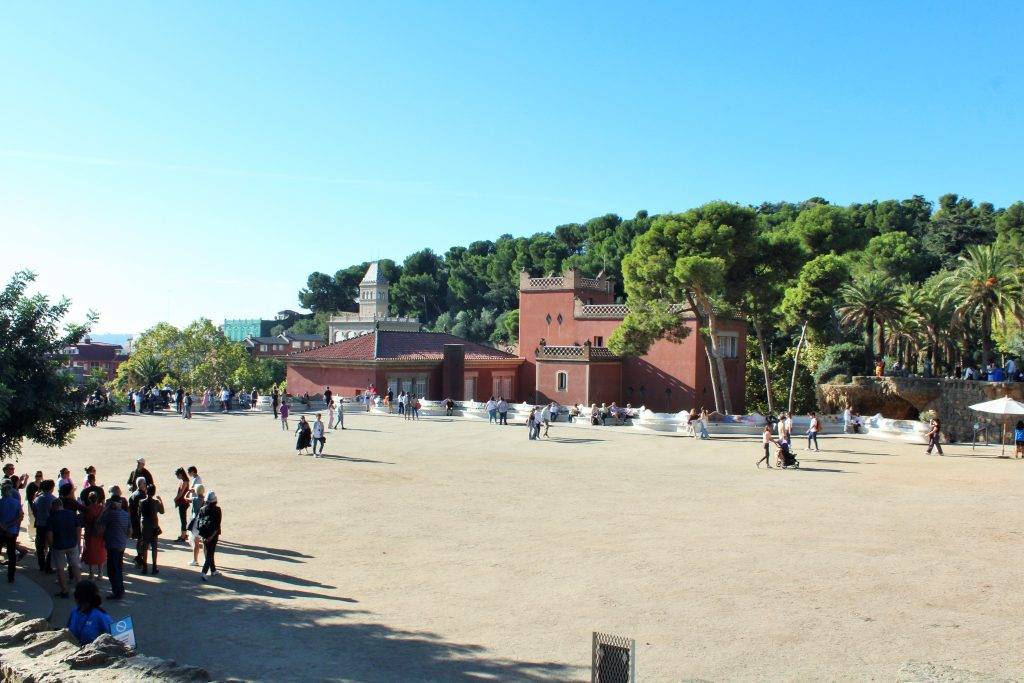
(373, 294)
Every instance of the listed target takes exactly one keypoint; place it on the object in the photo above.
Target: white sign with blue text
(124, 630)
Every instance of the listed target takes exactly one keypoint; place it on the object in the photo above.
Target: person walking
(339, 413)
(41, 508)
(401, 403)
(702, 424)
(318, 436)
(304, 436)
(415, 402)
(94, 555)
(531, 422)
(10, 524)
(284, 417)
(502, 411)
(187, 415)
(139, 471)
(812, 432)
(330, 415)
(150, 510)
(181, 501)
(934, 435)
(492, 411)
(62, 529)
(117, 528)
(766, 441)
(275, 399)
(197, 498)
(254, 399)
(208, 526)
(88, 620)
(545, 419)
(328, 395)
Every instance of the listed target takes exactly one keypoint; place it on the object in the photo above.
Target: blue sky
(166, 161)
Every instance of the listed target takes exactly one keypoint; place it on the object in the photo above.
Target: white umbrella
(1004, 406)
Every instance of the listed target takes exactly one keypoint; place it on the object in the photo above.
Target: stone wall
(905, 398)
(32, 650)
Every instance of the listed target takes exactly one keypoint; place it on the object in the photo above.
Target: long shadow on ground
(244, 623)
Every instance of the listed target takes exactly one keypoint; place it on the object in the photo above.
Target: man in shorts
(63, 535)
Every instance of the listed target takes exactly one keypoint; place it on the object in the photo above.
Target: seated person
(595, 415)
(449, 406)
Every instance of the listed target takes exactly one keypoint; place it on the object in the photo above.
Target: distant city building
(237, 330)
(430, 364)
(87, 356)
(282, 344)
(373, 311)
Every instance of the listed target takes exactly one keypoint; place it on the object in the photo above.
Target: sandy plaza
(448, 549)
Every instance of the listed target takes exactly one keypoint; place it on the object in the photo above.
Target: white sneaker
(215, 573)
(193, 563)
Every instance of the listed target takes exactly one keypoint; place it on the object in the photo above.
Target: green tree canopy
(39, 398)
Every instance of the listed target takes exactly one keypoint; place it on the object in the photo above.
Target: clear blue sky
(165, 161)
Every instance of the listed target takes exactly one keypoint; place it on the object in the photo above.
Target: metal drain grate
(614, 659)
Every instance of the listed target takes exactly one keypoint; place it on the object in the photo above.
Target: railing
(585, 352)
(604, 311)
(546, 282)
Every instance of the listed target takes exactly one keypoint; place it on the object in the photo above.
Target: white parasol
(1004, 406)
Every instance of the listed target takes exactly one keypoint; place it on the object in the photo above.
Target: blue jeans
(492, 416)
(812, 436)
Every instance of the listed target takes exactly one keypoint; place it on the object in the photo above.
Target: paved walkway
(25, 596)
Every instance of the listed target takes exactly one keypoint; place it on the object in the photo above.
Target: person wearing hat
(139, 471)
(208, 528)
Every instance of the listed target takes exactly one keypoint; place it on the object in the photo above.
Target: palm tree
(987, 285)
(869, 299)
(933, 313)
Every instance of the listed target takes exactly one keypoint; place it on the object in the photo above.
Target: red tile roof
(388, 345)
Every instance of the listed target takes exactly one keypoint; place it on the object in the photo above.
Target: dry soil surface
(456, 550)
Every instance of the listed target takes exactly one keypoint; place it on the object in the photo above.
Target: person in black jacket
(208, 528)
(139, 471)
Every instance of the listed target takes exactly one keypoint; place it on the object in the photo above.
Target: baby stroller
(786, 457)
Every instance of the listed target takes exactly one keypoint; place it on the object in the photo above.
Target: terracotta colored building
(428, 364)
(564, 326)
(90, 355)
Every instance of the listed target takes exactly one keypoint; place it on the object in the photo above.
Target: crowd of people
(82, 532)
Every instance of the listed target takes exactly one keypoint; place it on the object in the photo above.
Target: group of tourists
(783, 440)
(497, 410)
(86, 529)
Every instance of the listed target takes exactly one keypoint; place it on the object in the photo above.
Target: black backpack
(204, 525)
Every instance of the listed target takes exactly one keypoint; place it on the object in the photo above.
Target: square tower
(373, 294)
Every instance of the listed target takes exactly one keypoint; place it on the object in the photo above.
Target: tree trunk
(796, 363)
(717, 366)
(869, 344)
(712, 373)
(986, 337)
(762, 347)
(881, 338)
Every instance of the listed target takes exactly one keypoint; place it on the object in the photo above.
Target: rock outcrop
(32, 650)
(905, 398)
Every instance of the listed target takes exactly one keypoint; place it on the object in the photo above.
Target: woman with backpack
(208, 528)
(94, 556)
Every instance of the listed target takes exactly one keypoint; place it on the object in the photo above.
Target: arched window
(562, 381)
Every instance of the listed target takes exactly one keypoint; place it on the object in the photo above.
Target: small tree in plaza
(39, 398)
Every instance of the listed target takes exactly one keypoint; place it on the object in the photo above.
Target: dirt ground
(457, 550)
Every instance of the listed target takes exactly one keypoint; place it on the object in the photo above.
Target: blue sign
(124, 630)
